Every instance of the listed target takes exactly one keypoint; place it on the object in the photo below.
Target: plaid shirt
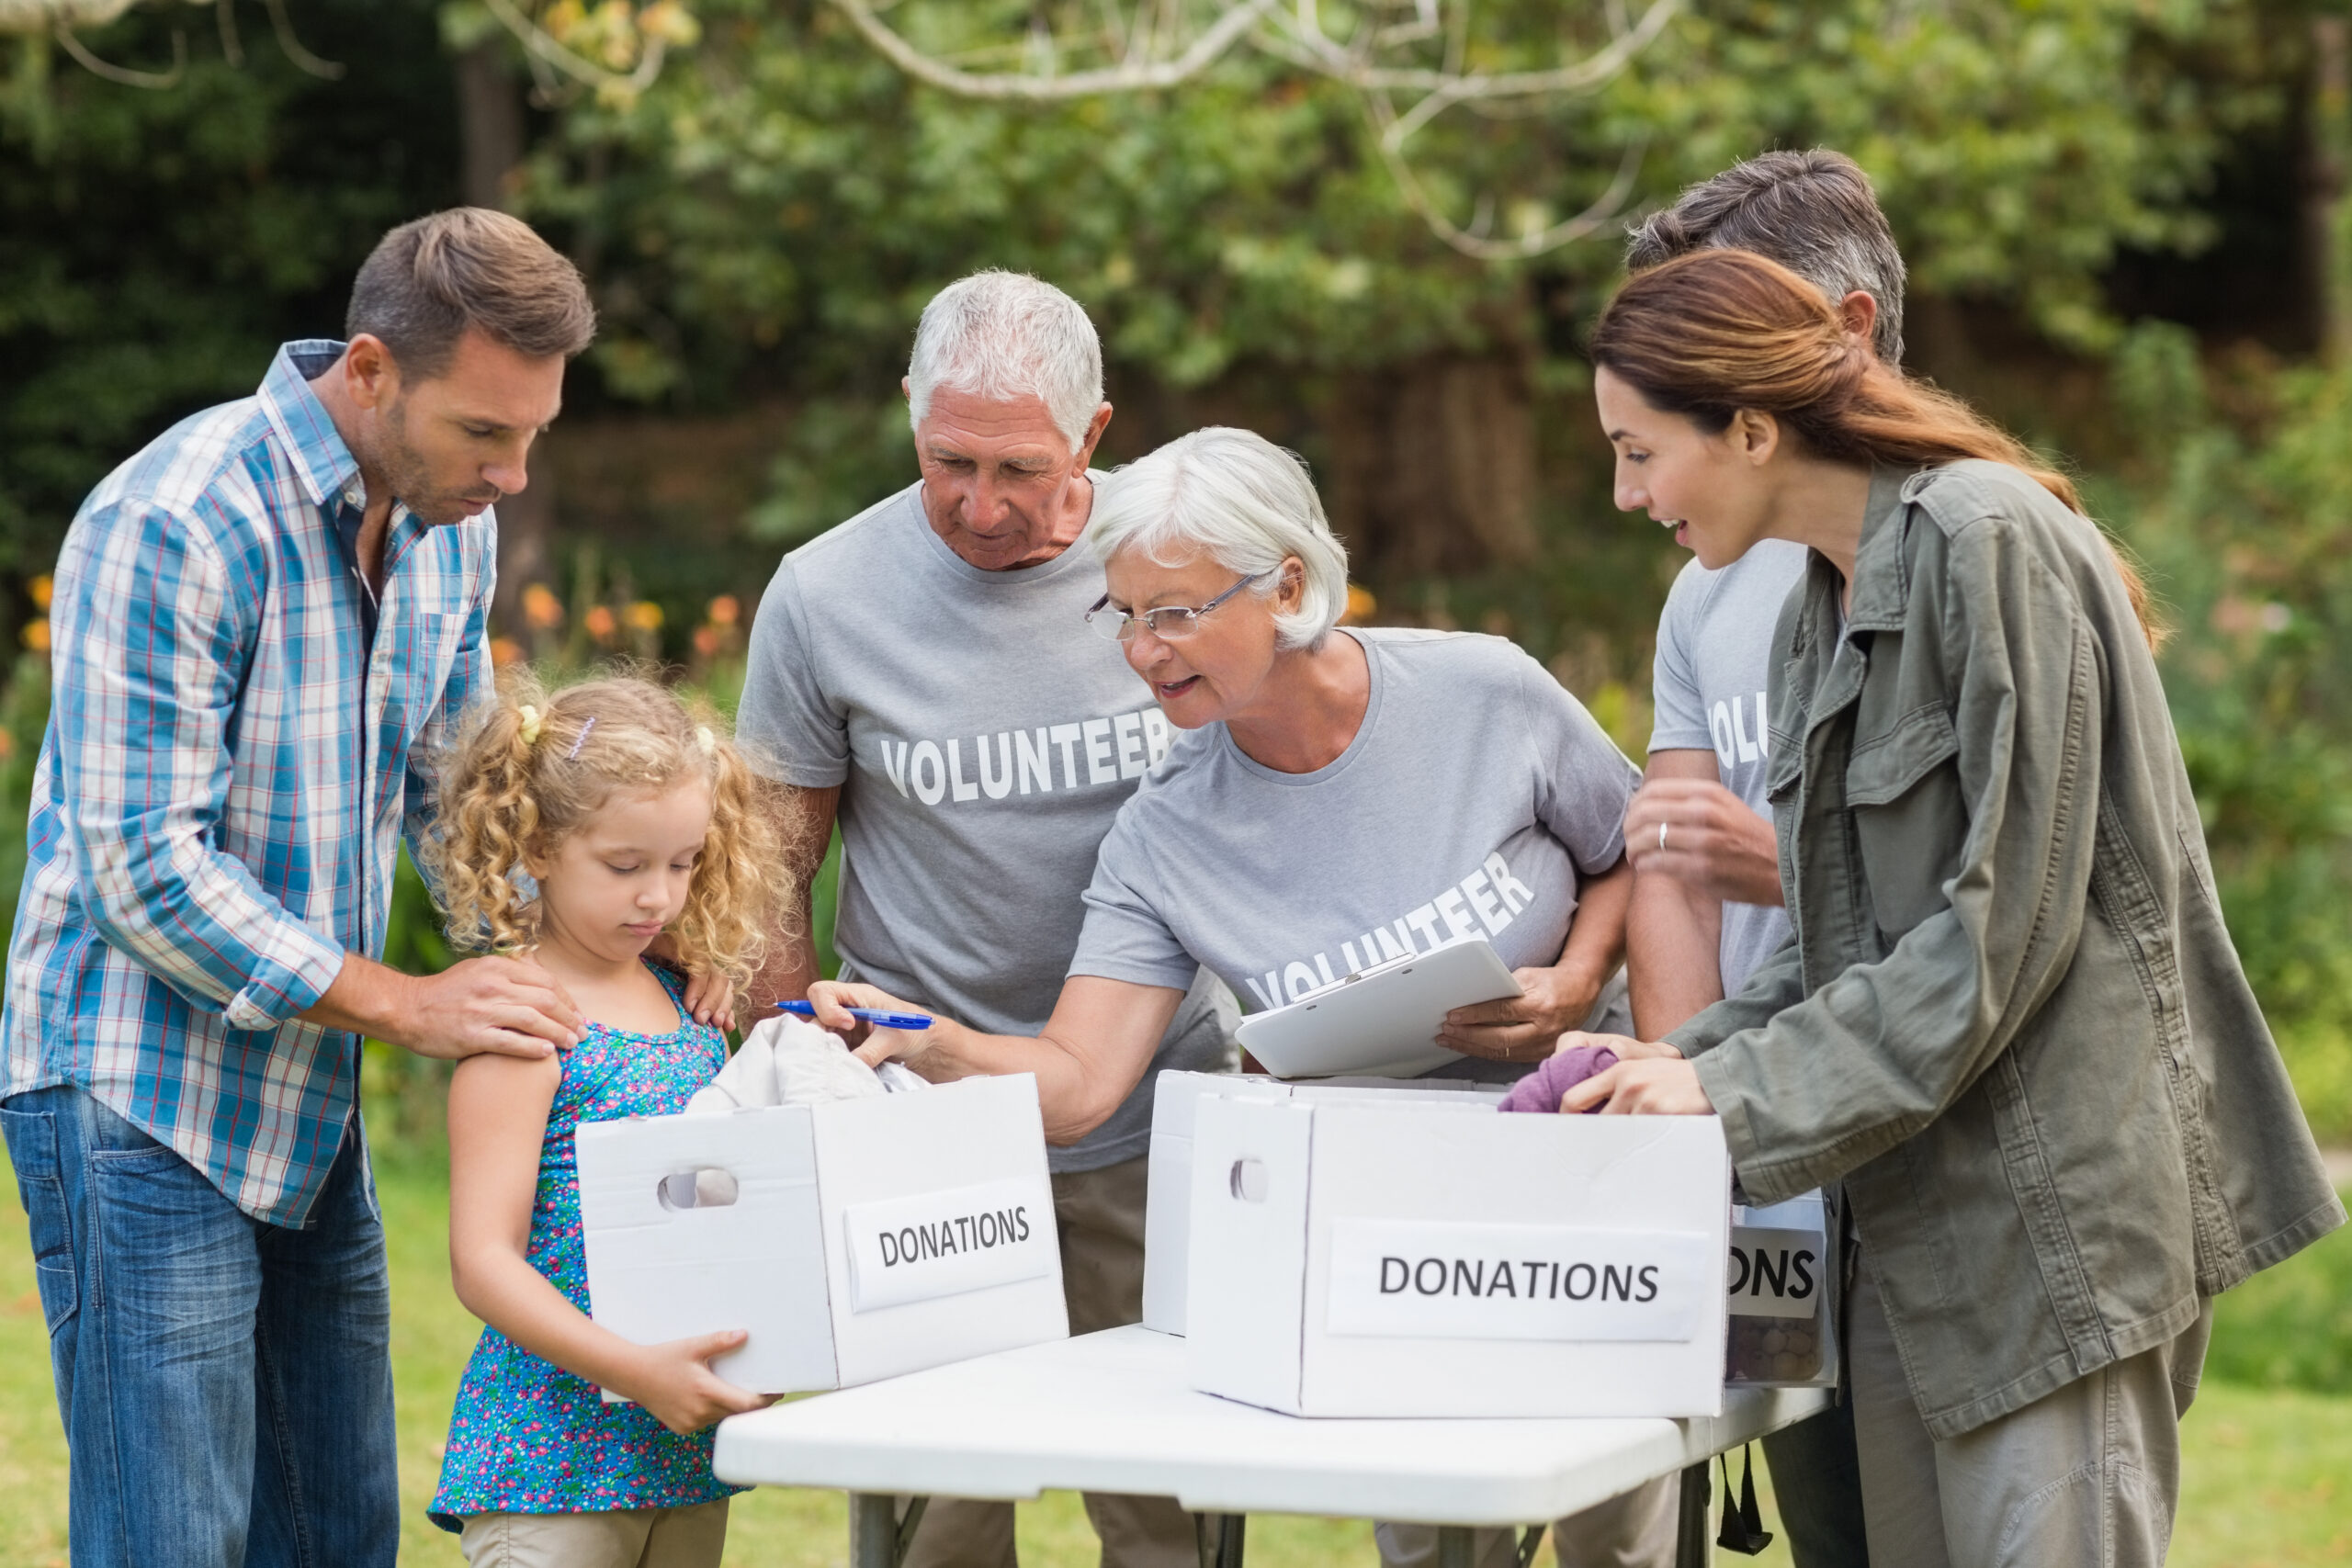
(226, 776)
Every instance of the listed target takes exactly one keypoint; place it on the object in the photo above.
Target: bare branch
(545, 49)
(1376, 60)
(1472, 241)
(232, 48)
(1123, 78)
(327, 70)
(156, 81)
(1316, 52)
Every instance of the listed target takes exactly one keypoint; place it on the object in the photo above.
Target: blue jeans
(226, 1385)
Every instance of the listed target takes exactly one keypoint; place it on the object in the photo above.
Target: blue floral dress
(527, 1436)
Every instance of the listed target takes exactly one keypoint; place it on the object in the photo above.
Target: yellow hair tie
(532, 724)
(705, 739)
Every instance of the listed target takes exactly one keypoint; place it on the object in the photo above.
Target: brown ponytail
(1718, 331)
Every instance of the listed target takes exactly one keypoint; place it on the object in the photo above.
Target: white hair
(1247, 503)
(1001, 335)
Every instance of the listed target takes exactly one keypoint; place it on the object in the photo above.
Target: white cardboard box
(1353, 1259)
(868, 1237)
(1785, 1289)
(1168, 1205)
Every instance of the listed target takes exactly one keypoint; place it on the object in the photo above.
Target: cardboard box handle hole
(1249, 1180)
(709, 1188)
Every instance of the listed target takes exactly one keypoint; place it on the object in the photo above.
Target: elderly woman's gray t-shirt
(1475, 796)
(983, 740)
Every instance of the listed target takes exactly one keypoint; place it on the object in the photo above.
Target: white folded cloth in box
(790, 1061)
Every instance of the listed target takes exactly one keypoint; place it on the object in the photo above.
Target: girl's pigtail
(737, 905)
(489, 818)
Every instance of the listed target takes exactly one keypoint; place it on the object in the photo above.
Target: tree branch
(154, 81)
(1123, 78)
(546, 49)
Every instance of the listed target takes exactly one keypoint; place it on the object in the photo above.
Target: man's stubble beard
(411, 478)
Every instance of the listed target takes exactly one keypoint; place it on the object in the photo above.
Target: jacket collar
(1881, 572)
(1881, 588)
(323, 465)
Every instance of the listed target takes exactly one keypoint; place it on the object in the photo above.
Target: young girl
(577, 830)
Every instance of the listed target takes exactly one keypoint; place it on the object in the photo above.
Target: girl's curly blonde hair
(538, 766)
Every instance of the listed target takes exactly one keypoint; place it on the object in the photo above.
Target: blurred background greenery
(2125, 220)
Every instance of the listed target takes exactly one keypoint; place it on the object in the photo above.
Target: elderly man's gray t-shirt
(984, 740)
(1715, 664)
(1473, 797)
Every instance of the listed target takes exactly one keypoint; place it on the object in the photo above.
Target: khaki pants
(1636, 1530)
(628, 1538)
(1099, 1217)
(2089, 1474)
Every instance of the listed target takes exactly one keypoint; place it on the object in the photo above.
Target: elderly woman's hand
(1525, 1028)
(829, 1002)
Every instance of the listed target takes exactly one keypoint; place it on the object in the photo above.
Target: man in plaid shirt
(265, 624)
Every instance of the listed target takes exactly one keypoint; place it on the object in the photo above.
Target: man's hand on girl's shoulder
(501, 1005)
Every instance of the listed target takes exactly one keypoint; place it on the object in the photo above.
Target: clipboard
(1381, 1021)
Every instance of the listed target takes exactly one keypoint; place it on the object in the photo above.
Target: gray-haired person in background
(1707, 904)
(923, 675)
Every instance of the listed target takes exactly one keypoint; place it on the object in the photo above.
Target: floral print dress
(527, 1436)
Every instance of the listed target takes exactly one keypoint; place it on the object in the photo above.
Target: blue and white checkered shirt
(225, 780)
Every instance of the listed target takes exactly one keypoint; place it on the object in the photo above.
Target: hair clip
(532, 724)
(578, 740)
(705, 739)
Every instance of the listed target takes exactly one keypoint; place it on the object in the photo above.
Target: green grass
(2290, 1328)
(2265, 1463)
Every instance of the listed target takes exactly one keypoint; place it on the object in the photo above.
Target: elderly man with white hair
(1336, 796)
(923, 674)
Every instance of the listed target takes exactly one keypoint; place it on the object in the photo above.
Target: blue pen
(870, 1015)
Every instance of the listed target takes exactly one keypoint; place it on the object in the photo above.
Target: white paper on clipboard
(1381, 1022)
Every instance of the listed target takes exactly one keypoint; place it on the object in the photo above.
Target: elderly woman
(1333, 787)
(1335, 793)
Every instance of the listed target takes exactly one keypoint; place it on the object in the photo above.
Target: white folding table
(1112, 1412)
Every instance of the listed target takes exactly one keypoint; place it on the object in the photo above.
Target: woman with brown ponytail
(2010, 1019)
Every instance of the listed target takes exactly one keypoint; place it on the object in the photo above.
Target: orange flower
(707, 641)
(1361, 605)
(726, 610)
(505, 651)
(41, 588)
(8, 746)
(645, 616)
(541, 608)
(37, 635)
(600, 623)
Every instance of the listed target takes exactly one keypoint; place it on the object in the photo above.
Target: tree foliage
(777, 206)
(156, 246)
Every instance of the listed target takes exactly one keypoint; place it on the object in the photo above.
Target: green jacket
(2010, 1019)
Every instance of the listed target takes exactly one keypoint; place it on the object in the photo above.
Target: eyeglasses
(1169, 623)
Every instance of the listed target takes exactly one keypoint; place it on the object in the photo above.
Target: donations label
(948, 1242)
(1774, 1273)
(1431, 1280)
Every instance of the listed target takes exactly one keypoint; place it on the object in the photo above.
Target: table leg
(878, 1537)
(1691, 1532)
(1220, 1538)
